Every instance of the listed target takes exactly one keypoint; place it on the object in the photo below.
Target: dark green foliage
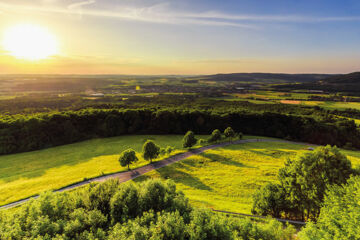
(229, 133)
(98, 196)
(189, 139)
(19, 133)
(303, 183)
(306, 179)
(240, 135)
(215, 136)
(125, 203)
(154, 210)
(127, 157)
(340, 215)
(270, 200)
(150, 150)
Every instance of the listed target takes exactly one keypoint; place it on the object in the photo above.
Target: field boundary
(124, 176)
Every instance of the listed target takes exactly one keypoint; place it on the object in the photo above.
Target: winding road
(129, 175)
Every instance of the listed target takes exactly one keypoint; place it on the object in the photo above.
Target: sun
(30, 42)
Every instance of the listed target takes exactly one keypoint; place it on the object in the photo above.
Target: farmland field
(225, 178)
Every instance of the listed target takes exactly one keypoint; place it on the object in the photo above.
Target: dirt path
(129, 175)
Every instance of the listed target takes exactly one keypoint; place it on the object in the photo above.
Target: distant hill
(351, 78)
(266, 77)
(347, 83)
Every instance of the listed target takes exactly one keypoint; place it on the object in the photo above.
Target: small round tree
(229, 133)
(215, 136)
(150, 150)
(127, 157)
(189, 139)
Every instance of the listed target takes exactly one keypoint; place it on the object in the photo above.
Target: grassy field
(271, 97)
(334, 105)
(213, 175)
(25, 174)
(226, 178)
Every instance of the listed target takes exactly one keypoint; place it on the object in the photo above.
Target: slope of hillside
(266, 77)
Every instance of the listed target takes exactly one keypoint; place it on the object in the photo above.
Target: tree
(189, 139)
(127, 157)
(229, 133)
(303, 183)
(340, 215)
(150, 150)
(269, 200)
(306, 179)
(215, 136)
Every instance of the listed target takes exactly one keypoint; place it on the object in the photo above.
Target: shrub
(229, 133)
(340, 215)
(215, 136)
(189, 140)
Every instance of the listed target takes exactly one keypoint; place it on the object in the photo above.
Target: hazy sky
(189, 36)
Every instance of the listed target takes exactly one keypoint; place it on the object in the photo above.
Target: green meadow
(222, 178)
(27, 174)
(226, 178)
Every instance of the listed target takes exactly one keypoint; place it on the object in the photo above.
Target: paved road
(129, 175)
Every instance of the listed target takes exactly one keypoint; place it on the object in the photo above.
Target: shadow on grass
(178, 176)
(274, 153)
(224, 160)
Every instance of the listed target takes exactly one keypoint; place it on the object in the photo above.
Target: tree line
(20, 133)
(151, 150)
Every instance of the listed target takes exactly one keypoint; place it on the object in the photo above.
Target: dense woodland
(19, 133)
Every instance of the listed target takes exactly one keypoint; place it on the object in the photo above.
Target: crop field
(226, 178)
(335, 105)
(26, 174)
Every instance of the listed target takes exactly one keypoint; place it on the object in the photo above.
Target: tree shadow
(184, 178)
(275, 153)
(224, 160)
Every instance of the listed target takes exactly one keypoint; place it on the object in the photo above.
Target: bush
(125, 203)
(229, 133)
(202, 141)
(189, 140)
(340, 215)
(152, 210)
(215, 136)
(270, 200)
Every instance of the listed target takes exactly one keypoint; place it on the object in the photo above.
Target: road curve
(129, 175)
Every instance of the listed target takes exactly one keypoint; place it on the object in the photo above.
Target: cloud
(155, 14)
(163, 13)
(271, 18)
(81, 4)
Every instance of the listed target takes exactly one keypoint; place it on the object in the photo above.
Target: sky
(188, 36)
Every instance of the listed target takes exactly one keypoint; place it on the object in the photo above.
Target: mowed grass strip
(26, 174)
(226, 178)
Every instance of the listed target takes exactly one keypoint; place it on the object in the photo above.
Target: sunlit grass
(226, 178)
(25, 174)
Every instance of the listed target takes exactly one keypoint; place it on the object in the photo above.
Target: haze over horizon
(178, 37)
